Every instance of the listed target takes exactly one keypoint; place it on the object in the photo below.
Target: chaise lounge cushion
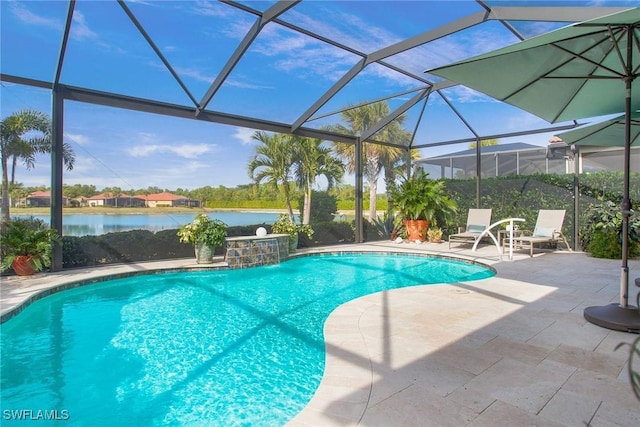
(544, 232)
(474, 228)
(477, 221)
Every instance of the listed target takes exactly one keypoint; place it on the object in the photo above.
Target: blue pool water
(239, 347)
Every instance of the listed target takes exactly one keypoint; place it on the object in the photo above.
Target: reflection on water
(90, 224)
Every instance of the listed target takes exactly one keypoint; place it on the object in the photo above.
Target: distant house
(79, 201)
(166, 199)
(121, 201)
(40, 199)
(525, 159)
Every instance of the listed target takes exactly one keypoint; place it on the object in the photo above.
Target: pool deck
(513, 349)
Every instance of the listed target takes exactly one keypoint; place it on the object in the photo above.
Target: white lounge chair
(477, 221)
(548, 229)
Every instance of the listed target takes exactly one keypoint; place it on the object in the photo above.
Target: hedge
(514, 196)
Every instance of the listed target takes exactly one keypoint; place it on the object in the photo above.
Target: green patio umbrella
(583, 70)
(567, 74)
(609, 133)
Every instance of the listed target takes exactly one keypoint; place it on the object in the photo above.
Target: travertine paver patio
(513, 349)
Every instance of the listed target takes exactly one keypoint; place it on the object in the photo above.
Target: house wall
(159, 203)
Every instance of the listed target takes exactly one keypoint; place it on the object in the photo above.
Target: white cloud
(187, 151)
(201, 76)
(28, 17)
(355, 32)
(80, 29)
(189, 72)
(84, 166)
(210, 8)
(77, 138)
(146, 3)
(302, 55)
(466, 95)
(237, 27)
(522, 120)
(174, 176)
(244, 135)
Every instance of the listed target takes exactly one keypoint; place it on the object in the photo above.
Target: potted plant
(434, 234)
(285, 225)
(25, 245)
(205, 234)
(420, 201)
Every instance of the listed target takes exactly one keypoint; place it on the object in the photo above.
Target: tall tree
(485, 143)
(78, 190)
(273, 163)
(27, 154)
(114, 192)
(396, 165)
(376, 156)
(23, 135)
(15, 143)
(312, 159)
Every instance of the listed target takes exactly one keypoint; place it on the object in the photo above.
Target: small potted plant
(205, 234)
(285, 225)
(421, 201)
(25, 245)
(434, 233)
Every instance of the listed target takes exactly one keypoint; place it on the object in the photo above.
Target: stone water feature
(254, 251)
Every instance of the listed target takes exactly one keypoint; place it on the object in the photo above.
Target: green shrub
(605, 244)
(323, 207)
(74, 253)
(328, 233)
(602, 234)
(126, 246)
(143, 245)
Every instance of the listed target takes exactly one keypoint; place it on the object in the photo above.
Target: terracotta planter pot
(22, 266)
(416, 229)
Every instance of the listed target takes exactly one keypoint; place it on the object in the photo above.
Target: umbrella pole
(622, 317)
(625, 206)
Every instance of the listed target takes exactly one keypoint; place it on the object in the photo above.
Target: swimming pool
(239, 347)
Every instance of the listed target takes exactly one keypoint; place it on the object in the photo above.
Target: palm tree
(28, 153)
(311, 160)
(23, 135)
(395, 165)
(114, 192)
(273, 162)
(12, 144)
(485, 143)
(376, 156)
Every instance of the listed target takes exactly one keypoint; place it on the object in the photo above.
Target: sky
(280, 76)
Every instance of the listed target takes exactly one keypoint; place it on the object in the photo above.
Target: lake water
(95, 224)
